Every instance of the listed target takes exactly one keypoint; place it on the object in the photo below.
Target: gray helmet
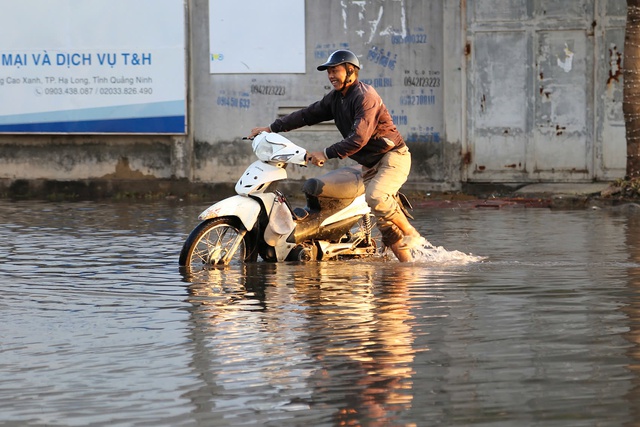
(340, 57)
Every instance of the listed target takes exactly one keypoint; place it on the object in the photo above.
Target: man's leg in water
(382, 182)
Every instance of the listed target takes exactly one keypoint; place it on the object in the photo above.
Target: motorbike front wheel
(216, 242)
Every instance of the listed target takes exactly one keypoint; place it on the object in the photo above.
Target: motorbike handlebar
(308, 159)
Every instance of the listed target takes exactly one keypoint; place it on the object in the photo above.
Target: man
(370, 138)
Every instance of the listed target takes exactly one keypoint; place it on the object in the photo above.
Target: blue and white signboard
(93, 66)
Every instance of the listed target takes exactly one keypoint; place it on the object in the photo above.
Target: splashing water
(424, 251)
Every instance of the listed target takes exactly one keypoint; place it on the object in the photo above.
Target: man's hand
(256, 131)
(317, 158)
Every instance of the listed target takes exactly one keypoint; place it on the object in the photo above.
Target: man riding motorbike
(370, 138)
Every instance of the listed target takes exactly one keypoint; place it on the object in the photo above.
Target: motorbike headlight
(264, 150)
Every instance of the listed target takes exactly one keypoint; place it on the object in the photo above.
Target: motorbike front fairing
(247, 209)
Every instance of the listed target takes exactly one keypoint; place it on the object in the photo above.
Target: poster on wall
(256, 36)
(98, 66)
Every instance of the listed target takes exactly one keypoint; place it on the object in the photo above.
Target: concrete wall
(400, 46)
(416, 54)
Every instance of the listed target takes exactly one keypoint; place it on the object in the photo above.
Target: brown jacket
(360, 116)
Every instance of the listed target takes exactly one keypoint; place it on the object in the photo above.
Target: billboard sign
(93, 66)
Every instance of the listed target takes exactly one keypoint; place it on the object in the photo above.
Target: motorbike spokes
(214, 243)
(214, 247)
(218, 246)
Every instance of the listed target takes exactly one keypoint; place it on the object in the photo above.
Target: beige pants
(382, 182)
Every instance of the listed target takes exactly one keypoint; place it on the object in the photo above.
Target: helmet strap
(347, 79)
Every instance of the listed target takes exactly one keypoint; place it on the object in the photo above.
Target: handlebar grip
(308, 158)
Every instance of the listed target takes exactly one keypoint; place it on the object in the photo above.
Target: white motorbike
(259, 221)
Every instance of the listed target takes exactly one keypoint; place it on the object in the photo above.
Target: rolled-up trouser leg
(382, 182)
(390, 232)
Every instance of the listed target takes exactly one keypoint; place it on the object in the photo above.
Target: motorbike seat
(342, 183)
(338, 187)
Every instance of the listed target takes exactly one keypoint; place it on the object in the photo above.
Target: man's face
(337, 75)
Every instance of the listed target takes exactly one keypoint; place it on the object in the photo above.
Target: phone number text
(95, 91)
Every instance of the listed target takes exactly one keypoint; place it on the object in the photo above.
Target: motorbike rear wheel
(218, 242)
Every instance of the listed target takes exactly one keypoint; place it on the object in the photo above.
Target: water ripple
(98, 326)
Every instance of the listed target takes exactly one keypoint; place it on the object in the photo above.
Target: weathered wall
(544, 91)
(400, 47)
(432, 64)
(68, 158)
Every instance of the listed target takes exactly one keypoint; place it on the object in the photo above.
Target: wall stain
(615, 65)
(225, 153)
(544, 93)
(466, 158)
(124, 171)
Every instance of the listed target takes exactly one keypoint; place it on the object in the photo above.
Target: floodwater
(98, 326)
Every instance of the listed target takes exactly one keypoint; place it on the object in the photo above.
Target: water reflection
(328, 327)
(513, 338)
(99, 328)
(632, 309)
